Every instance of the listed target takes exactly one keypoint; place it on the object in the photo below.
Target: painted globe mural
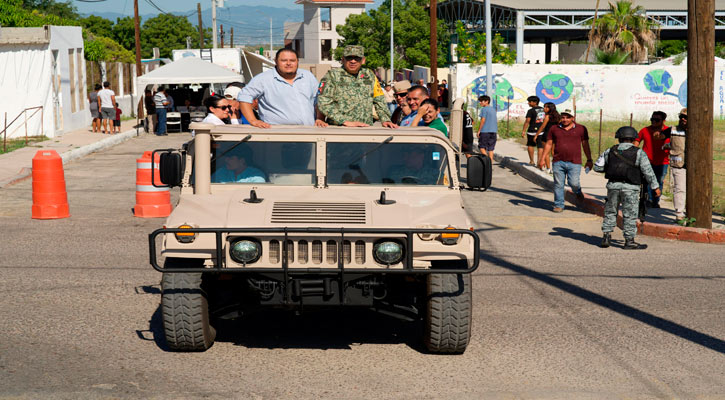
(658, 81)
(502, 89)
(556, 88)
(682, 93)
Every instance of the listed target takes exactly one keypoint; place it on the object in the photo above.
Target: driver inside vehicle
(236, 169)
(415, 170)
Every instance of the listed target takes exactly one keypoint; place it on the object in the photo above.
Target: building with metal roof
(537, 21)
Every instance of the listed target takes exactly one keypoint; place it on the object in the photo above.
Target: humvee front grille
(322, 252)
(319, 213)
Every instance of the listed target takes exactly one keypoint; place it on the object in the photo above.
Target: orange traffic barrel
(50, 200)
(151, 201)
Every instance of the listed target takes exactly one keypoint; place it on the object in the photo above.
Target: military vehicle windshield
(387, 163)
(280, 163)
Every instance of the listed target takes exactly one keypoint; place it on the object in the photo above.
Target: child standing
(117, 121)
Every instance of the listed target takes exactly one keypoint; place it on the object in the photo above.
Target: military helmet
(626, 132)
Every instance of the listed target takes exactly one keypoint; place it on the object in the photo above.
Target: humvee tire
(185, 312)
(448, 316)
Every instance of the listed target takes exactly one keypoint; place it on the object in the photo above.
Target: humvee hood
(338, 206)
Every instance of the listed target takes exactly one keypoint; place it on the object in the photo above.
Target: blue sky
(126, 6)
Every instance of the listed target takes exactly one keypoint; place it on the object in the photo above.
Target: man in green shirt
(428, 112)
(347, 95)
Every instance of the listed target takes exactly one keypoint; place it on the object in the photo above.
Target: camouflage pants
(629, 199)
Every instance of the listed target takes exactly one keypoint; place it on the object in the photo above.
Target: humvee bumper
(342, 259)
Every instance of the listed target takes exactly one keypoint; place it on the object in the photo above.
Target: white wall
(63, 38)
(616, 89)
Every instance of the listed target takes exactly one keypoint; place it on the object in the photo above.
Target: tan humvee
(297, 215)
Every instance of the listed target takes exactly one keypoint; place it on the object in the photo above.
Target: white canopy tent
(188, 70)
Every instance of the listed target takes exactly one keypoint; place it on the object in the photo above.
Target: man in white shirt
(161, 101)
(106, 102)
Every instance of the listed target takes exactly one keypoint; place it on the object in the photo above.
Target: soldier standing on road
(347, 95)
(624, 165)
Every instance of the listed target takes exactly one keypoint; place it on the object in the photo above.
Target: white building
(43, 67)
(316, 37)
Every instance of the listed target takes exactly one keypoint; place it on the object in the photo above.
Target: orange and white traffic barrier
(50, 199)
(151, 201)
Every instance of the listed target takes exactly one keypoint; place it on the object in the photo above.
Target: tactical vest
(621, 166)
(677, 148)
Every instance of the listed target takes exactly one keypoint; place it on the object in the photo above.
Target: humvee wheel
(448, 316)
(185, 312)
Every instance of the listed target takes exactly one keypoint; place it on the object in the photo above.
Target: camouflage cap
(353, 51)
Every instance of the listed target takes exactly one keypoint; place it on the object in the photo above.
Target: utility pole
(213, 23)
(489, 78)
(231, 37)
(201, 30)
(270, 38)
(221, 35)
(137, 37)
(391, 78)
(698, 143)
(434, 49)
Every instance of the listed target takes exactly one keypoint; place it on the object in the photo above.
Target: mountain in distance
(250, 22)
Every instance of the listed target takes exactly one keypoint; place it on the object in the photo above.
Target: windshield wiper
(352, 164)
(232, 148)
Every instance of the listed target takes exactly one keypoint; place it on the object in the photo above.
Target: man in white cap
(231, 93)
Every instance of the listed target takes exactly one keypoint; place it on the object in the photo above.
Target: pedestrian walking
(117, 120)
(678, 164)
(624, 165)
(95, 111)
(106, 101)
(567, 139)
(653, 143)
(161, 102)
(488, 128)
(551, 118)
(347, 95)
(534, 120)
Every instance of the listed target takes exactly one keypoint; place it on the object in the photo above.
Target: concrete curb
(594, 206)
(75, 154)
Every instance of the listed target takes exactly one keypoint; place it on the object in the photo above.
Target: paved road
(554, 316)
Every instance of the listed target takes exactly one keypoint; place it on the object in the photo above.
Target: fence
(120, 75)
(25, 123)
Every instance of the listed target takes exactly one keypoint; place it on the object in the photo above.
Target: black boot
(630, 244)
(606, 240)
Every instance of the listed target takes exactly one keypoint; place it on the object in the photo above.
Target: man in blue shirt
(286, 94)
(488, 128)
(416, 95)
(236, 167)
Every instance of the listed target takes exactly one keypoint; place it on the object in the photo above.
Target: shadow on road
(582, 237)
(654, 321)
(318, 329)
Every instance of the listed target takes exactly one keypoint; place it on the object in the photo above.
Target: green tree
(615, 57)
(667, 48)
(101, 48)
(471, 48)
(167, 32)
(625, 28)
(13, 13)
(99, 26)
(124, 33)
(411, 34)
(62, 9)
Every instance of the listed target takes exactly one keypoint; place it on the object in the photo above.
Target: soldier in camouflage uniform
(347, 95)
(624, 165)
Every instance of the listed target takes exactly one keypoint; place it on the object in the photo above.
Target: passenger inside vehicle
(415, 170)
(235, 167)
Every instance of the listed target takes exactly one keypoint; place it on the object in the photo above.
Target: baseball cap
(402, 86)
(567, 112)
(353, 51)
(232, 92)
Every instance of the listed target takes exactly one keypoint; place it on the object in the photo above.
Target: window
(326, 18)
(326, 53)
(279, 163)
(387, 163)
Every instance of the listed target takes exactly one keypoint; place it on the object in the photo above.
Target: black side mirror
(171, 168)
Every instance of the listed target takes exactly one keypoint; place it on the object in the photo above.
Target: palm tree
(615, 57)
(625, 28)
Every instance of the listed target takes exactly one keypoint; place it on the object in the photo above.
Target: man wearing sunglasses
(401, 93)
(347, 95)
(653, 141)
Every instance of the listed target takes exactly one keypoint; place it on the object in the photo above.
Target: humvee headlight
(245, 251)
(388, 252)
(185, 237)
